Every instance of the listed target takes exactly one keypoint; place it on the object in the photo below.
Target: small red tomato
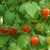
(34, 40)
(4, 31)
(45, 12)
(33, 22)
(13, 31)
(25, 28)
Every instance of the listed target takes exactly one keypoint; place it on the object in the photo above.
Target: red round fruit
(4, 31)
(13, 31)
(34, 40)
(45, 12)
(25, 28)
(33, 22)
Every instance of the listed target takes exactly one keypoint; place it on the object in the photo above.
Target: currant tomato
(48, 39)
(13, 30)
(39, 27)
(45, 12)
(25, 28)
(33, 22)
(34, 40)
(4, 31)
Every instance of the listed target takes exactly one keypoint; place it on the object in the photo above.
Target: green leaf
(36, 16)
(11, 40)
(31, 9)
(2, 9)
(42, 2)
(12, 1)
(48, 0)
(12, 8)
(13, 46)
(3, 40)
(23, 40)
(42, 49)
(42, 40)
(17, 20)
(45, 30)
(9, 17)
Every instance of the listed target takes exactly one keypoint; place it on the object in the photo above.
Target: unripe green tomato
(39, 27)
(48, 39)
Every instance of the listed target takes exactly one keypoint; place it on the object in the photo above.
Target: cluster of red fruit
(12, 30)
(25, 28)
(33, 39)
(5, 31)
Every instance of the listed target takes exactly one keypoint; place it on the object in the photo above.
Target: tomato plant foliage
(27, 18)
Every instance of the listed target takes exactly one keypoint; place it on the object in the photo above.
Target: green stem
(12, 39)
